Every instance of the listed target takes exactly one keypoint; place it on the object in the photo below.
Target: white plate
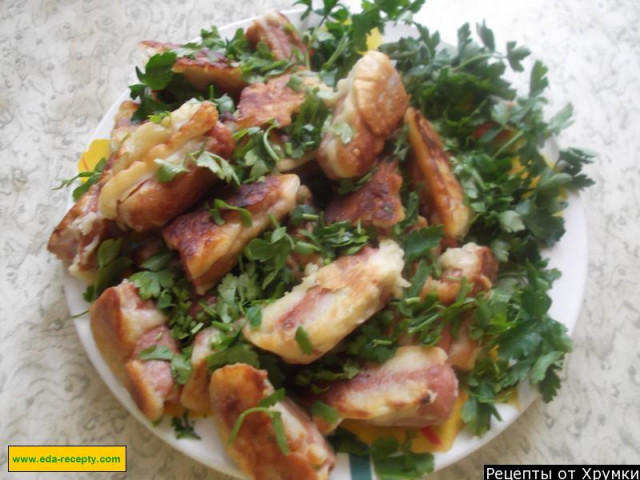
(569, 256)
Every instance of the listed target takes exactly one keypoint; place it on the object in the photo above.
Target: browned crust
(201, 71)
(278, 33)
(204, 245)
(442, 198)
(372, 101)
(236, 388)
(377, 203)
(154, 203)
(263, 102)
(354, 158)
(433, 405)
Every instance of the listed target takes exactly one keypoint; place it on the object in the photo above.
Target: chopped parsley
(180, 366)
(303, 340)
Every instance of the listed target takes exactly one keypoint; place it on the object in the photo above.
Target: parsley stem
(338, 51)
(506, 145)
(471, 60)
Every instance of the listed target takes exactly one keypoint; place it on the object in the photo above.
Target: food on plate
(195, 394)
(377, 203)
(119, 317)
(208, 247)
(273, 440)
(442, 199)
(370, 104)
(77, 237)
(272, 102)
(304, 234)
(277, 33)
(329, 304)
(472, 264)
(415, 388)
(150, 381)
(462, 349)
(202, 68)
(155, 175)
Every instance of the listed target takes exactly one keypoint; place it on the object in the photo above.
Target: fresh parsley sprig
(340, 37)
(90, 178)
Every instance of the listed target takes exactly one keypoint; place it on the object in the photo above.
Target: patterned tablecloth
(62, 63)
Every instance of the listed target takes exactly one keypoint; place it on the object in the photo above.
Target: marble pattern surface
(63, 62)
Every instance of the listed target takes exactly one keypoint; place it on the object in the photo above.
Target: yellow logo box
(67, 458)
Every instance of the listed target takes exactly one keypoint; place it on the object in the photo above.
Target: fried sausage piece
(330, 303)
(279, 35)
(208, 250)
(472, 262)
(83, 228)
(135, 196)
(203, 68)
(463, 351)
(119, 317)
(274, 100)
(414, 389)
(195, 394)
(236, 388)
(477, 266)
(442, 198)
(370, 103)
(376, 203)
(123, 325)
(150, 382)
(78, 235)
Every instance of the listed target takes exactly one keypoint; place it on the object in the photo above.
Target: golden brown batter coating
(236, 388)
(371, 102)
(415, 388)
(133, 194)
(204, 69)
(280, 36)
(330, 303)
(208, 250)
(376, 203)
(442, 198)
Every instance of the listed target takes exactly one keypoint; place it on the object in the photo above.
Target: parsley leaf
(180, 367)
(304, 342)
(220, 205)
(156, 352)
(240, 353)
(183, 427)
(418, 243)
(111, 266)
(158, 70)
(168, 171)
(349, 185)
(326, 412)
(220, 167)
